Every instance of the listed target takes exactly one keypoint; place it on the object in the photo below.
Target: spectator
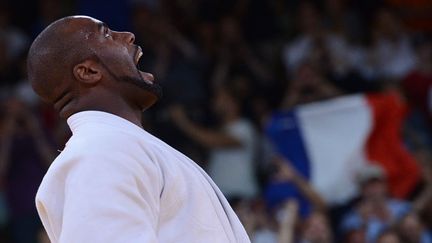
(24, 156)
(316, 44)
(389, 236)
(355, 236)
(339, 18)
(261, 227)
(412, 230)
(392, 55)
(16, 41)
(414, 13)
(287, 222)
(375, 210)
(8, 70)
(417, 86)
(231, 162)
(316, 229)
(287, 183)
(308, 85)
(417, 83)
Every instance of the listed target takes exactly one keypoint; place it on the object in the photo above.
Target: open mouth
(147, 77)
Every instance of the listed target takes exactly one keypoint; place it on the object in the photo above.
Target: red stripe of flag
(385, 146)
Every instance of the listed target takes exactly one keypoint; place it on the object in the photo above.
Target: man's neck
(113, 105)
(134, 118)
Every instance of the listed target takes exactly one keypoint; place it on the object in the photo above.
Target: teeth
(138, 56)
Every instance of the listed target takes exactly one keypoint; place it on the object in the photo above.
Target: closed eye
(105, 30)
(107, 33)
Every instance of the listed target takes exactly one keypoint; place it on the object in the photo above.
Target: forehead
(86, 19)
(83, 24)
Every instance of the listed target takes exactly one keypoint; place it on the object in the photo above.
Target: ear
(87, 72)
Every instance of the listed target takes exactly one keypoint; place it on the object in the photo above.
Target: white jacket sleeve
(110, 198)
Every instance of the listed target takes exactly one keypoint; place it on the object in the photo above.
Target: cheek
(119, 61)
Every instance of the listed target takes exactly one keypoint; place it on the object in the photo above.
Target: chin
(145, 94)
(150, 89)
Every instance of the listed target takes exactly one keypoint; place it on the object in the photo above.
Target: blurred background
(313, 117)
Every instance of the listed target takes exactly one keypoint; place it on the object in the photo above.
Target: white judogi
(116, 183)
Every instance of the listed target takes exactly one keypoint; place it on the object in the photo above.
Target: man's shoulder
(79, 163)
(98, 156)
(89, 156)
(99, 148)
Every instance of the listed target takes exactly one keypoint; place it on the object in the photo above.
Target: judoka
(114, 182)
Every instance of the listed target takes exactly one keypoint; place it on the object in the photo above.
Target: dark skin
(78, 64)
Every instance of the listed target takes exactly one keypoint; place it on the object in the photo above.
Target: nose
(128, 37)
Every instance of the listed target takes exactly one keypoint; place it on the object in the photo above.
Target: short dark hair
(51, 58)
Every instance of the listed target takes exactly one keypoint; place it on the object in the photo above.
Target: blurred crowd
(225, 66)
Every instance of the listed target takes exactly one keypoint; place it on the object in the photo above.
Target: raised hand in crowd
(288, 216)
(211, 138)
(286, 172)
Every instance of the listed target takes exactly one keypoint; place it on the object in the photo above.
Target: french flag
(329, 141)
